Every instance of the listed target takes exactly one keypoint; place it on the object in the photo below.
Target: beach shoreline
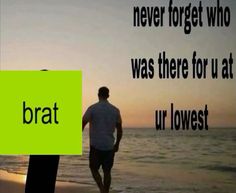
(15, 183)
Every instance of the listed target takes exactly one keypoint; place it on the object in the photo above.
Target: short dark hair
(103, 92)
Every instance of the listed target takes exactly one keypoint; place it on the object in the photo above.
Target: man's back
(103, 118)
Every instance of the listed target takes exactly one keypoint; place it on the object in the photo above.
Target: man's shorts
(99, 158)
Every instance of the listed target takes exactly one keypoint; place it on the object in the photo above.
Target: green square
(57, 131)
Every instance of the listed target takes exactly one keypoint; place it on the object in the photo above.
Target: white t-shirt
(102, 118)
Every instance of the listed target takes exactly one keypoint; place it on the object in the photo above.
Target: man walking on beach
(103, 119)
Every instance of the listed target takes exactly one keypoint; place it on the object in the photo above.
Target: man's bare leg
(98, 179)
(107, 181)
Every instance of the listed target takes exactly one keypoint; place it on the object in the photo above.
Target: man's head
(103, 93)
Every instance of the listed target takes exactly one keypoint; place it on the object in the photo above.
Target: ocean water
(157, 161)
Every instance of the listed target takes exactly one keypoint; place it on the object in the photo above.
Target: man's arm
(84, 123)
(86, 118)
(119, 136)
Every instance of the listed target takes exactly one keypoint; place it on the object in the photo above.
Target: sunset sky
(98, 38)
